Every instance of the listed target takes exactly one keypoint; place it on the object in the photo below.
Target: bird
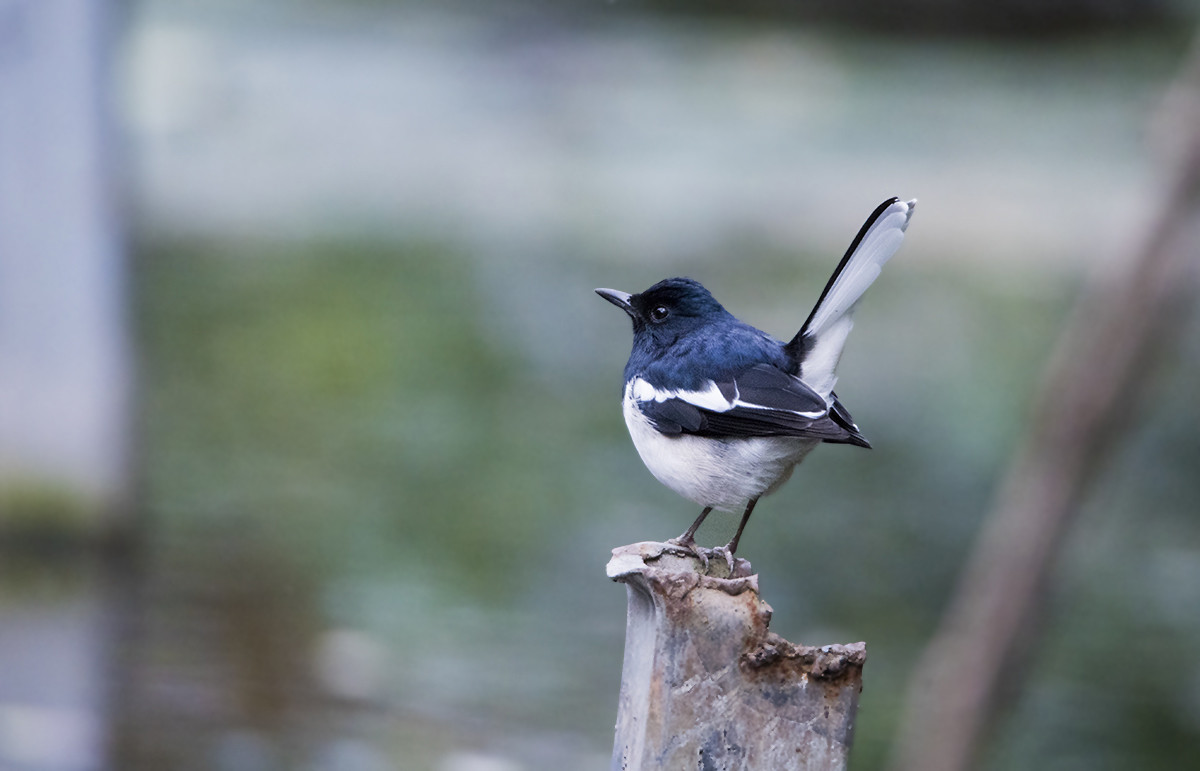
(722, 412)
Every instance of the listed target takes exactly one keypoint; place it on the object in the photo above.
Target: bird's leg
(689, 536)
(729, 548)
(687, 541)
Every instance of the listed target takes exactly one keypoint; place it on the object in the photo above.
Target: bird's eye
(659, 313)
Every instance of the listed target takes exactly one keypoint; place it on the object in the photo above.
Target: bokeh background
(359, 460)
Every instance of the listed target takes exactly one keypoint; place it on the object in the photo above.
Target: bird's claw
(729, 558)
(688, 546)
(738, 568)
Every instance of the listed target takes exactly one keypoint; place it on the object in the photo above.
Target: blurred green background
(381, 458)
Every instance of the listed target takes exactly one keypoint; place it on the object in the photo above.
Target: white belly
(723, 473)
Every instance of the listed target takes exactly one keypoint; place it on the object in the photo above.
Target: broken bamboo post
(706, 685)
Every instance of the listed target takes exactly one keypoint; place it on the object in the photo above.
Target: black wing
(762, 401)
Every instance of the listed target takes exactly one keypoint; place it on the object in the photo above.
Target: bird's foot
(727, 554)
(736, 566)
(688, 546)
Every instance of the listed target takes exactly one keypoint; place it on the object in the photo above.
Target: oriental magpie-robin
(721, 412)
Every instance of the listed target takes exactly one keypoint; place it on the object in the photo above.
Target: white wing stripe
(710, 398)
(749, 406)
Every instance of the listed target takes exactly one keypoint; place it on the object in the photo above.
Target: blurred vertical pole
(1088, 395)
(65, 379)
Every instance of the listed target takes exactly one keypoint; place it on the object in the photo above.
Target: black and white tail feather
(819, 343)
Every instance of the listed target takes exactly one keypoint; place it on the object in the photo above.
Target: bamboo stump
(706, 685)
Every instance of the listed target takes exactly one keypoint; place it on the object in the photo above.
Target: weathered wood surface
(705, 683)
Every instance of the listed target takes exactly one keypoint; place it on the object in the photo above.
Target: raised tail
(818, 345)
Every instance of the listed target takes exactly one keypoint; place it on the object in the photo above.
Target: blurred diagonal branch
(1122, 324)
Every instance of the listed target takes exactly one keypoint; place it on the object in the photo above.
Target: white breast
(722, 473)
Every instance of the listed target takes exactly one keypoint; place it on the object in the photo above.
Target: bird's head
(668, 310)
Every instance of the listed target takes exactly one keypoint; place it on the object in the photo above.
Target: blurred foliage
(1013, 18)
(1009, 17)
(347, 388)
(43, 509)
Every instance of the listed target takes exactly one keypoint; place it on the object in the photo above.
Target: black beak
(617, 298)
